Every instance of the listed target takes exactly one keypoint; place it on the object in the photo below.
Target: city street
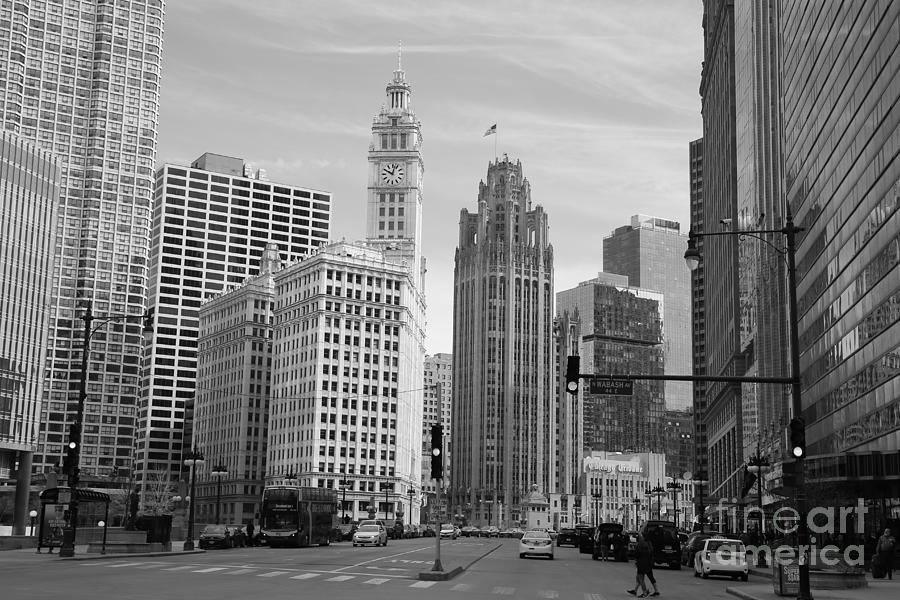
(341, 571)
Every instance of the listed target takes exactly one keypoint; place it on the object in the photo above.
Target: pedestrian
(250, 530)
(643, 562)
(649, 572)
(604, 545)
(884, 553)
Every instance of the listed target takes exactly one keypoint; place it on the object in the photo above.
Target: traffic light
(573, 367)
(798, 437)
(70, 460)
(148, 319)
(437, 452)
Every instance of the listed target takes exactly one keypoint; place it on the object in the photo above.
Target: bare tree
(158, 492)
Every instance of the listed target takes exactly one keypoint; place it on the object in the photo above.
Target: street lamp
(193, 458)
(758, 465)
(658, 492)
(789, 231)
(674, 486)
(73, 450)
(411, 493)
(218, 471)
(344, 484)
(33, 514)
(701, 504)
(598, 497)
(637, 511)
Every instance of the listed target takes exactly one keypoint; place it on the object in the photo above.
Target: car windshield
(368, 528)
(214, 529)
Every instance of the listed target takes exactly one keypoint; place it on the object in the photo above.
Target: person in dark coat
(643, 562)
(250, 530)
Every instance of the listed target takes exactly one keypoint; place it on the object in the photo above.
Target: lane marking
(376, 580)
(382, 558)
(116, 566)
(503, 591)
(423, 584)
(184, 568)
(239, 572)
(461, 587)
(151, 566)
(547, 594)
(593, 597)
(272, 573)
(340, 578)
(306, 576)
(209, 570)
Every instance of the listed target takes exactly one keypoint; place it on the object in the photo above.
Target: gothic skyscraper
(504, 393)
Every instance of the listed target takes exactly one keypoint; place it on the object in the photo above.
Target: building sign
(611, 466)
(613, 387)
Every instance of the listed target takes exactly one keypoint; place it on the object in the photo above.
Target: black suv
(610, 535)
(584, 534)
(567, 537)
(663, 536)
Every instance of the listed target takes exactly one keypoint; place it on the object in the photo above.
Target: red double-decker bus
(297, 516)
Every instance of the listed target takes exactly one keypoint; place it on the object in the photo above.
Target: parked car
(585, 534)
(347, 531)
(516, 532)
(395, 532)
(567, 537)
(720, 556)
(610, 534)
(467, 531)
(491, 531)
(448, 531)
(216, 536)
(693, 544)
(663, 536)
(374, 535)
(428, 532)
(536, 543)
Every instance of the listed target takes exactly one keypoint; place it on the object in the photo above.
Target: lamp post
(193, 458)
(789, 231)
(32, 514)
(598, 497)
(758, 465)
(658, 492)
(701, 504)
(674, 486)
(73, 450)
(386, 505)
(344, 485)
(219, 471)
(411, 493)
(637, 511)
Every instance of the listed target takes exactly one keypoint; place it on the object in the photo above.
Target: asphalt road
(341, 571)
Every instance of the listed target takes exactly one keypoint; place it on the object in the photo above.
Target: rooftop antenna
(400, 55)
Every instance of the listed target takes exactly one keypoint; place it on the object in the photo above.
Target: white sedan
(721, 557)
(375, 535)
(536, 543)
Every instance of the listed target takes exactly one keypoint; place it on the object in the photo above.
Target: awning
(51, 495)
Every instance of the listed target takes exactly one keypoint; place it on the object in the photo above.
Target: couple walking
(643, 560)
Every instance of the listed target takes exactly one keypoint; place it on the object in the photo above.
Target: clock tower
(394, 205)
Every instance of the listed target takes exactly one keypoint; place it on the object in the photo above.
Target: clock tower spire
(396, 168)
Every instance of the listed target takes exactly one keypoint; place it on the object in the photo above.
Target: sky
(598, 99)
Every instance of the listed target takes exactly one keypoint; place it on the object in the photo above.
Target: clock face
(392, 173)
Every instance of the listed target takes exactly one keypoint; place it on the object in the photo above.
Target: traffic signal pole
(437, 531)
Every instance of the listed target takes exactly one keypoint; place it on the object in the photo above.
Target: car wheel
(551, 557)
(696, 573)
(744, 577)
(704, 575)
(521, 555)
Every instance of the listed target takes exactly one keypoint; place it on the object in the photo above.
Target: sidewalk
(878, 589)
(30, 555)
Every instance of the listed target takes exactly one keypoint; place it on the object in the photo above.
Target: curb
(131, 555)
(740, 593)
(445, 575)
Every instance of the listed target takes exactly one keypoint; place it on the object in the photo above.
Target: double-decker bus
(297, 516)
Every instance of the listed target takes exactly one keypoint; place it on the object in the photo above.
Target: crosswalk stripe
(272, 573)
(210, 570)
(423, 584)
(151, 566)
(547, 594)
(376, 581)
(503, 591)
(239, 572)
(593, 597)
(340, 578)
(305, 576)
(461, 587)
(180, 568)
(117, 565)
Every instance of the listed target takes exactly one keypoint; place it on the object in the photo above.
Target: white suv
(720, 556)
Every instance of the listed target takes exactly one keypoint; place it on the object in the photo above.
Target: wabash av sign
(612, 387)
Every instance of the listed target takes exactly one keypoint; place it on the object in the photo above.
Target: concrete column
(23, 487)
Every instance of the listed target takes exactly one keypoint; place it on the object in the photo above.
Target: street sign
(613, 387)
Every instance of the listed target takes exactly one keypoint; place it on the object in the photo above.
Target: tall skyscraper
(212, 222)
(620, 331)
(504, 364)
(650, 252)
(29, 191)
(698, 327)
(349, 346)
(842, 182)
(233, 387)
(722, 414)
(81, 80)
